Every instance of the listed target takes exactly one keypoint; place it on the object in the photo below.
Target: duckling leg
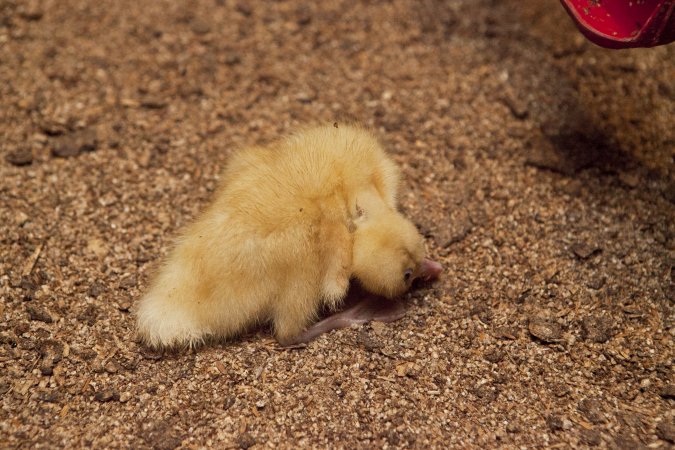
(294, 310)
(362, 310)
(337, 259)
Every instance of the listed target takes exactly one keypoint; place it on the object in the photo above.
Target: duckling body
(288, 228)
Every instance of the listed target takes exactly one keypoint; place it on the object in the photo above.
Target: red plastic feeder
(624, 23)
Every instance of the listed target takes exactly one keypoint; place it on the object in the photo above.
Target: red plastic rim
(624, 23)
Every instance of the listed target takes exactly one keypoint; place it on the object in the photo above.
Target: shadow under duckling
(291, 224)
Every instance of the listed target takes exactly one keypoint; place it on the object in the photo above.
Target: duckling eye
(407, 275)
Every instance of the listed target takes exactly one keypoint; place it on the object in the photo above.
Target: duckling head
(388, 254)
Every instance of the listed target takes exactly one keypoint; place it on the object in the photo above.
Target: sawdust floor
(539, 167)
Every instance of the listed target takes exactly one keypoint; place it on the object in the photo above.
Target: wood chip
(32, 260)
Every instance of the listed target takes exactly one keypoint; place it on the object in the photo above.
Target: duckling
(362, 307)
(290, 225)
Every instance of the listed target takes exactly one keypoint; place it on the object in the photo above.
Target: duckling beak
(429, 270)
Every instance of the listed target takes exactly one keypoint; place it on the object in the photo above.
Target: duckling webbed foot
(362, 307)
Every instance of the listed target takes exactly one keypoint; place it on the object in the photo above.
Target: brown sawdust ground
(539, 166)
